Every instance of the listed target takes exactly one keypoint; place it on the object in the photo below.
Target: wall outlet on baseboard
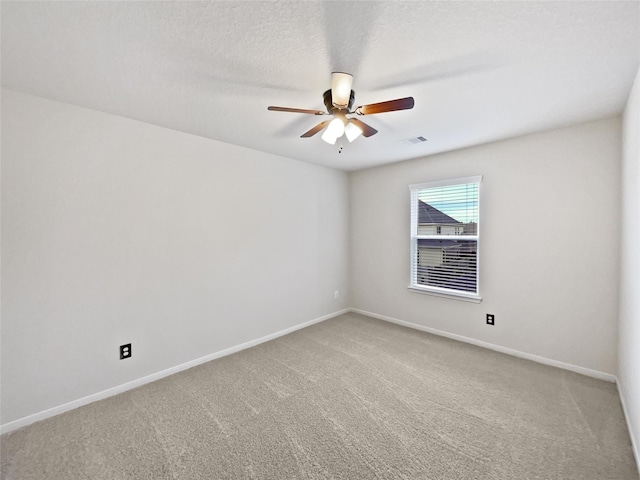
(336, 295)
(125, 351)
(491, 319)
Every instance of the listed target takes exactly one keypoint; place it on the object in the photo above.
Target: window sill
(454, 296)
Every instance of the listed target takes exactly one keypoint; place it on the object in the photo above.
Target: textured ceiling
(479, 71)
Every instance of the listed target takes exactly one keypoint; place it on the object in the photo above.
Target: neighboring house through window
(445, 237)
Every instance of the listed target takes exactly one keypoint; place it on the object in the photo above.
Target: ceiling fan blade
(367, 131)
(389, 106)
(315, 129)
(296, 110)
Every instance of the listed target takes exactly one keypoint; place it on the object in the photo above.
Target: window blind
(445, 229)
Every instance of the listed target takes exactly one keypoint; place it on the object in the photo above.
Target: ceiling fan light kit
(339, 100)
(341, 89)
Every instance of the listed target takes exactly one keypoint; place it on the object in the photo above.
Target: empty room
(320, 240)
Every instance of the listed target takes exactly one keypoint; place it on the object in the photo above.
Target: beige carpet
(349, 398)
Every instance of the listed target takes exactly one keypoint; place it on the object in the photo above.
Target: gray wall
(549, 244)
(116, 231)
(629, 347)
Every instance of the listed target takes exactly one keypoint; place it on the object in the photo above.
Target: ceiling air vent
(413, 140)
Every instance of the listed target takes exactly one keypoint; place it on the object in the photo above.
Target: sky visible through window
(457, 201)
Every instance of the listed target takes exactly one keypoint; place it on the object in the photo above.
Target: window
(445, 237)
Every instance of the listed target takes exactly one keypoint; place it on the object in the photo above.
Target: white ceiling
(479, 71)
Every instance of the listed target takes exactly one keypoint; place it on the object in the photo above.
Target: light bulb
(341, 89)
(328, 137)
(352, 131)
(336, 127)
(334, 131)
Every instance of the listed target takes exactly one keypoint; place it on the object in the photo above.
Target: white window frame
(414, 237)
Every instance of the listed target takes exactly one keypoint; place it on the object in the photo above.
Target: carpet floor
(349, 398)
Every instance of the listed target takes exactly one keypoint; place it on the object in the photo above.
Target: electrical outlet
(125, 351)
(491, 319)
(336, 295)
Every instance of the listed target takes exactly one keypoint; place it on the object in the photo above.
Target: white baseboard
(28, 420)
(22, 422)
(635, 442)
(509, 351)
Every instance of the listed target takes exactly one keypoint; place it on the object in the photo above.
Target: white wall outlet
(336, 294)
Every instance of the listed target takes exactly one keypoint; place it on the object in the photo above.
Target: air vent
(413, 140)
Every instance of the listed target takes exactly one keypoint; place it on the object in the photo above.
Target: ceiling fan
(339, 100)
